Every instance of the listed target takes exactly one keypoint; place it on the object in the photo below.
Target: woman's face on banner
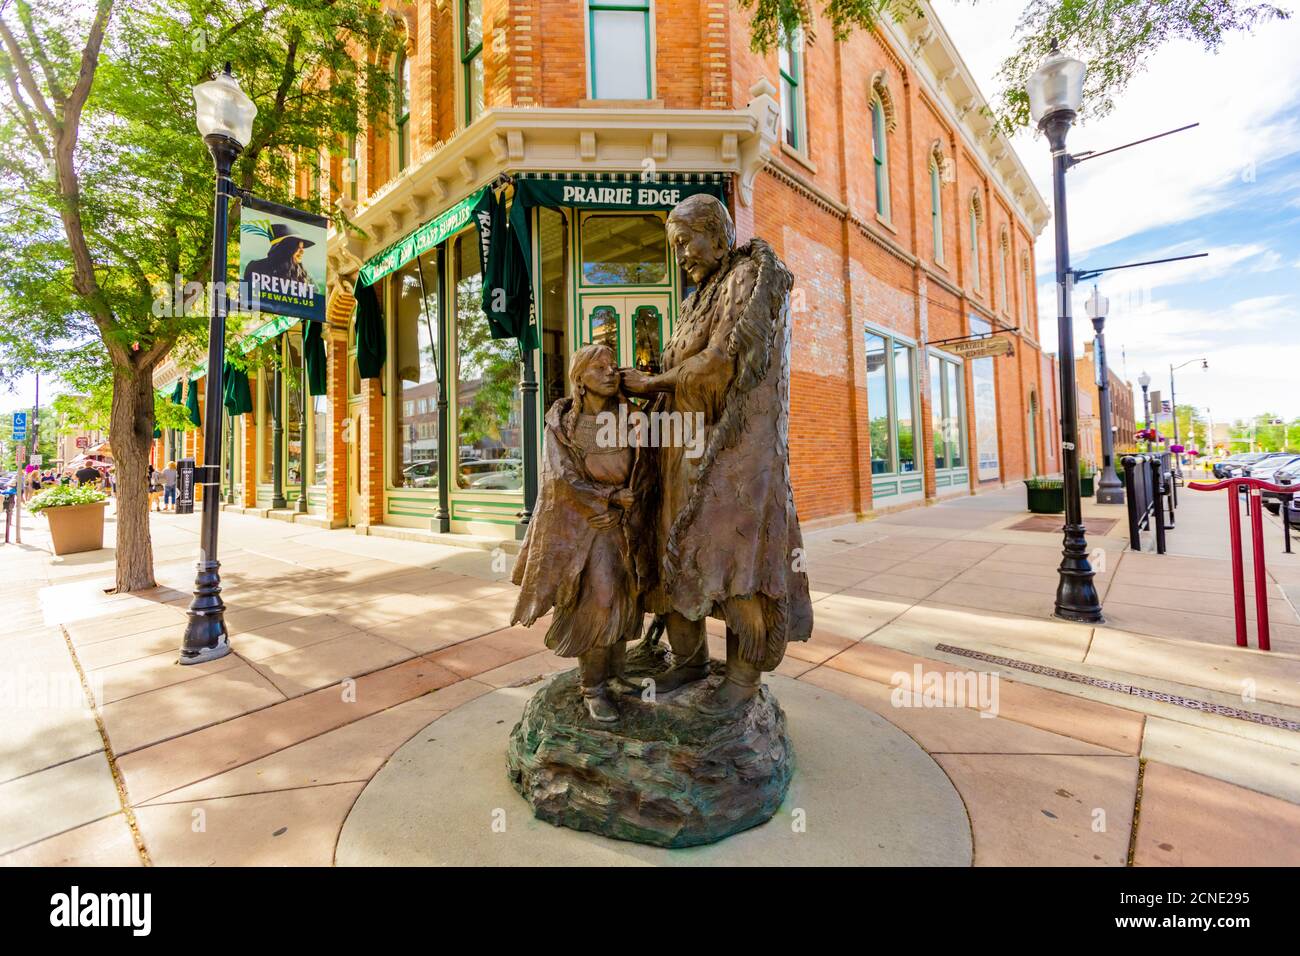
(297, 253)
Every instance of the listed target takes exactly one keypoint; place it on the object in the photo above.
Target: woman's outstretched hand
(637, 382)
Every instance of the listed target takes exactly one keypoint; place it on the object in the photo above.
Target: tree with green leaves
(106, 187)
(1116, 38)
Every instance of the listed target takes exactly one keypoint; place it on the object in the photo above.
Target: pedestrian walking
(154, 479)
(168, 479)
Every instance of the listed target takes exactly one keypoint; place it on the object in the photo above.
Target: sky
(1230, 187)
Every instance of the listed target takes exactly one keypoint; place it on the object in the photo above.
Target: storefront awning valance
(420, 241)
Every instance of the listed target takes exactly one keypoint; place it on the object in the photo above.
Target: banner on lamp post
(282, 260)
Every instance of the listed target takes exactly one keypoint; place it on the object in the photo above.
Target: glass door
(635, 326)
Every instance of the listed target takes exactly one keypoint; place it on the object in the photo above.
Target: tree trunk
(131, 432)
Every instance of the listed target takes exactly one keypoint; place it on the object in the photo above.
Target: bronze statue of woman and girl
(625, 530)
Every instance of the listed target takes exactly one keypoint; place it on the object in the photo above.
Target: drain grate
(1191, 703)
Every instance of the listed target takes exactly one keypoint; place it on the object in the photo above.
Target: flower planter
(77, 528)
(1045, 500)
(1088, 486)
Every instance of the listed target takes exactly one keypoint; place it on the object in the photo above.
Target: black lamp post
(302, 424)
(1173, 399)
(1055, 94)
(225, 119)
(1145, 381)
(1110, 490)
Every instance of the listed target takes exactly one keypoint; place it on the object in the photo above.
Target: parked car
(490, 473)
(421, 474)
(1286, 475)
(1265, 466)
(1223, 469)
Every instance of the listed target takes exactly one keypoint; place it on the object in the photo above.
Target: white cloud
(1236, 95)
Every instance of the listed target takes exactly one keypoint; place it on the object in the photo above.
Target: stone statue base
(665, 774)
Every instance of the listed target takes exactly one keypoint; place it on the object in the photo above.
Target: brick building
(870, 165)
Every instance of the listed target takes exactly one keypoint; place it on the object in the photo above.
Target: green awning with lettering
(420, 241)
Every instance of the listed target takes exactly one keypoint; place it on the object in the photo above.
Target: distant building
(1122, 420)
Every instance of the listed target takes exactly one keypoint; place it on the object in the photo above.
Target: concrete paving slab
(175, 763)
(350, 655)
(1238, 760)
(352, 753)
(56, 799)
(183, 708)
(106, 842)
(279, 828)
(1192, 820)
(1047, 810)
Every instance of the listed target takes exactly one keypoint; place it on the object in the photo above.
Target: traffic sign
(37, 460)
(83, 441)
(20, 426)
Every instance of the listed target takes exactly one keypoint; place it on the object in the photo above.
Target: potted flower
(1046, 496)
(76, 517)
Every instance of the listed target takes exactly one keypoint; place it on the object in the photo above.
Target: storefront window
(553, 232)
(903, 407)
(986, 408)
(946, 415)
(620, 49)
(890, 401)
(957, 393)
(487, 385)
(878, 405)
(936, 414)
(293, 409)
(414, 290)
(626, 249)
(266, 427)
(320, 441)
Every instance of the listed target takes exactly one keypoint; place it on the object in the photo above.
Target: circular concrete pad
(864, 793)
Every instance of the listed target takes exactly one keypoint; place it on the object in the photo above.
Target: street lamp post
(1055, 94)
(1173, 399)
(1145, 381)
(1110, 490)
(225, 120)
(303, 398)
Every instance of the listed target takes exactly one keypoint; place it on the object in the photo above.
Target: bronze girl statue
(578, 556)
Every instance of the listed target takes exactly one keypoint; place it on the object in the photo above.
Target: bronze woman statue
(577, 556)
(725, 531)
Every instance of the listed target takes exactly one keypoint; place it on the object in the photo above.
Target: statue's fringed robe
(553, 564)
(726, 521)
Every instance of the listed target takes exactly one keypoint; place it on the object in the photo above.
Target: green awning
(192, 403)
(420, 241)
(237, 397)
(264, 332)
(313, 356)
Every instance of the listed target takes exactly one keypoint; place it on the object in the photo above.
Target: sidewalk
(346, 646)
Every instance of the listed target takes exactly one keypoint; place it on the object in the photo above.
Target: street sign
(982, 348)
(20, 426)
(83, 441)
(37, 460)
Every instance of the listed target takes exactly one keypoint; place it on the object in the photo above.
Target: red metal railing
(1253, 487)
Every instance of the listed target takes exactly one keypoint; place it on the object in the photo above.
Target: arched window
(976, 216)
(936, 202)
(1024, 288)
(1004, 243)
(880, 156)
(402, 109)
